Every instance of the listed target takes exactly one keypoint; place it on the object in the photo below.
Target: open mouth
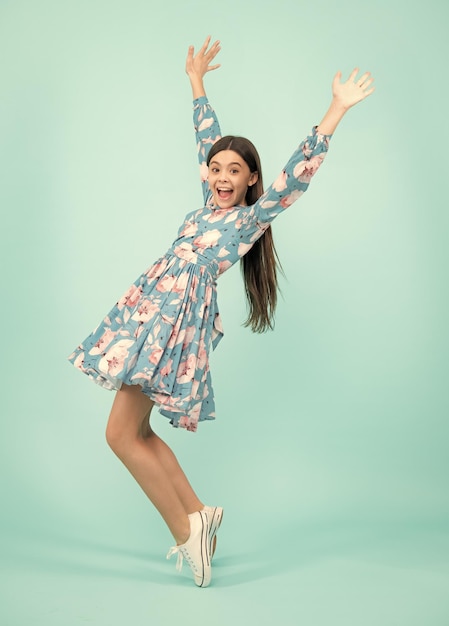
(224, 193)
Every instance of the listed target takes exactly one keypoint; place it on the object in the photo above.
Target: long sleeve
(294, 179)
(207, 132)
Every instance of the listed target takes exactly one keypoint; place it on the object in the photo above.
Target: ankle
(195, 507)
(183, 535)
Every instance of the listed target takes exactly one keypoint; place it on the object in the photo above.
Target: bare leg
(127, 434)
(179, 480)
(171, 466)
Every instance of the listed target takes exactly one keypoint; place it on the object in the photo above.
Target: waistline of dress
(185, 252)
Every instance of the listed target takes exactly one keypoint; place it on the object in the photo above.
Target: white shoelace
(181, 554)
(176, 550)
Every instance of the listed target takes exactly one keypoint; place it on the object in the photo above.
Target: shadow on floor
(276, 551)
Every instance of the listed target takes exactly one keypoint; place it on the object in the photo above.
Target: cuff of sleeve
(199, 101)
(317, 134)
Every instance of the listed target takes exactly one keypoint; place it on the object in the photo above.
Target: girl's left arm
(295, 178)
(306, 160)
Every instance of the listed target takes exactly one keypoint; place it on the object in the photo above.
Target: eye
(234, 171)
(214, 170)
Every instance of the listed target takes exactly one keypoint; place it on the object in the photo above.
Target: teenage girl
(153, 346)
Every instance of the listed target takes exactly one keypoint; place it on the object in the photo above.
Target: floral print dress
(159, 334)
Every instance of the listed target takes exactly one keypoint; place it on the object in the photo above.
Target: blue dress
(159, 334)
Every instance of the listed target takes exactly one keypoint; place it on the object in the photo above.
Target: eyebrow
(232, 163)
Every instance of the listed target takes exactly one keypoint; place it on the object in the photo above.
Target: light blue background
(330, 451)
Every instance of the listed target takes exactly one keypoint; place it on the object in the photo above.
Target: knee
(116, 436)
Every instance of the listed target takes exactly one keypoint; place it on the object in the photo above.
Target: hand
(345, 95)
(352, 91)
(197, 66)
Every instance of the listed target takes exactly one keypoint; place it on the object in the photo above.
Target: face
(229, 178)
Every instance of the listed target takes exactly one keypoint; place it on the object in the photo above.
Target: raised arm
(305, 161)
(207, 128)
(295, 178)
(197, 65)
(344, 96)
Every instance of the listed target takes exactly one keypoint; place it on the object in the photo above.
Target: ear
(253, 179)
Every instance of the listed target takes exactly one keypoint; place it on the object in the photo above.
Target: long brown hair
(259, 266)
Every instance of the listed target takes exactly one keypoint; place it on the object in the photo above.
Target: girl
(153, 346)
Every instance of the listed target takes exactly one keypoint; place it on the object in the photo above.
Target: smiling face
(229, 178)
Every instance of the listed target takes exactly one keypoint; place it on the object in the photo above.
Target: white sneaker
(196, 550)
(214, 517)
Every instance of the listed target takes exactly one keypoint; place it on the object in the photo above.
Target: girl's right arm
(207, 128)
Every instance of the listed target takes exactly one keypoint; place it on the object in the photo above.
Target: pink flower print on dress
(216, 216)
(195, 387)
(175, 338)
(186, 370)
(156, 354)
(281, 182)
(190, 229)
(306, 149)
(180, 332)
(185, 251)
(188, 336)
(266, 204)
(167, 369)
(244, 248)
(223, 266)
(157, 269)
(205, 123)
(206, 302)
(304, 170)
(288, 200)
(139, 330)
(202, 358)
(149, 376)
(223, 252)
(103, 342)
(146, 311)
(130, 298)
(204, 171)
(184, 421)
(113, 361)
(181, 283)
(231, 217)
(209, 239)
(195, 413)
(194, 289)
(78, 362)
(156, 329)
(132, 361)
(166, 283)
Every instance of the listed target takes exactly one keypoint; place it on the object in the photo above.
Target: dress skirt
(159, 335)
